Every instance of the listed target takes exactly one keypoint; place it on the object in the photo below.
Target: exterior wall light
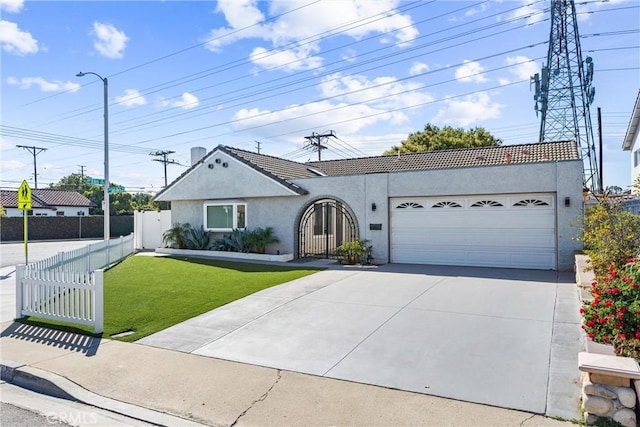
(373, 207)
(567, 201)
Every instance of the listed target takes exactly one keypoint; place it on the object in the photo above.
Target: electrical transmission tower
(317, 140)
(164, 160)
(564, 91)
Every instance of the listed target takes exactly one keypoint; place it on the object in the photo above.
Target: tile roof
(46, 199)
(445, 159)
(282, 170)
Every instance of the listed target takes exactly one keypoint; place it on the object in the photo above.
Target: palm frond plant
(175, 237)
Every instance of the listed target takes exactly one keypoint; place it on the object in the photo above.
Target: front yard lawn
(146, 294)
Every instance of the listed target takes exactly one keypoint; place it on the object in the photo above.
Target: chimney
(197, 153)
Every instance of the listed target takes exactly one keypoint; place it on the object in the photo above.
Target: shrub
(261, 238)
(613, 317)
(610, 235)
(353, 252)
(176, 236)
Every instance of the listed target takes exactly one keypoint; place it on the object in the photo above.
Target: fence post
(98, 302)
(20, 269)
(88, 248)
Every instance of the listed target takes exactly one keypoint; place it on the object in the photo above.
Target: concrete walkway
(506, 338)
(179, 389)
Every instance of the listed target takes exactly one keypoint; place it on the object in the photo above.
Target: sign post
(24, 203)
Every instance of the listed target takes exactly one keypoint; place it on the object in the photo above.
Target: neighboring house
(632, 142)
(510, 206)
(46, 202)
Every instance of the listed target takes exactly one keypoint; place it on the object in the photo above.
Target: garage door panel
(469, 236)
(501, 231)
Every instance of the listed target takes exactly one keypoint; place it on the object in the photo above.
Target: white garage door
(513, 231)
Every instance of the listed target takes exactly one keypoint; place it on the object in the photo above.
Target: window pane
(241, 217)
(220, 216)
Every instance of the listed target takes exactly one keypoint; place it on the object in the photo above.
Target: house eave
(634, 126)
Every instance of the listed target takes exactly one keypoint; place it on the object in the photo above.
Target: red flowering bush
(613, 317)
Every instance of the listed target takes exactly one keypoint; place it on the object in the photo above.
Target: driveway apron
(474, 334)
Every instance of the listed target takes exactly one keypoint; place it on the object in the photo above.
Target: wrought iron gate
(324, 226)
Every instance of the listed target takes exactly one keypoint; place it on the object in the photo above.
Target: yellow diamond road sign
(24, 196)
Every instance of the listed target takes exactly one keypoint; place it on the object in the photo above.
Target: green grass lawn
(147, 294)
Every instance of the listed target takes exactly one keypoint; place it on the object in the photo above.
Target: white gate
(148, 227)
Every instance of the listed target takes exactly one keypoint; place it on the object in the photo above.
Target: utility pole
(317, 140)
(81, 175)
(258, 143)
(34, 151)
(165, 161)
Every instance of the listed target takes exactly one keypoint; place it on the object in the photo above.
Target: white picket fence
(69, 286)
(61, 295)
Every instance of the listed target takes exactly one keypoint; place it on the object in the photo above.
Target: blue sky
(202, 73)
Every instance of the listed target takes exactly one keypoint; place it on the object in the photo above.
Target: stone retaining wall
(617, 402)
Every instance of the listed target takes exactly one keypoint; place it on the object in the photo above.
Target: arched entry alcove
(324, 225)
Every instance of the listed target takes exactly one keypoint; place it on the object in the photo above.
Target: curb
(51, 384)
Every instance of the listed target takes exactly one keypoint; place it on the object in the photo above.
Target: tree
(433, 138)
(3, 213)
(119, 203)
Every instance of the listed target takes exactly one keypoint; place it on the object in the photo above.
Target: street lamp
(106, 149)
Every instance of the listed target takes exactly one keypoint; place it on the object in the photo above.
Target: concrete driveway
(501, 337)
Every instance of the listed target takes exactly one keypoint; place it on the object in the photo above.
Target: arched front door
(324, 226)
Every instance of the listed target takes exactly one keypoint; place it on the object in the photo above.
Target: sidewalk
(173, 388)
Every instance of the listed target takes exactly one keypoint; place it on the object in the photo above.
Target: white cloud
(110, 41)
(14, 40)
(11, 165)
(418, 68)
(11, 6)
(381, 92)
(187, 101)
(349, 55)
(503, 81)
(475, 11)
(289, 60)
(45, 86)
(523, 67)
(532, 13)
(468, 110)
(131, 98)
(313, 115)
(246, 20)
(470, 72)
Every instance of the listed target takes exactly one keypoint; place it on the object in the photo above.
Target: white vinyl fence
(69, 286)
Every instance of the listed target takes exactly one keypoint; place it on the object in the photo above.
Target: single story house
(632, 142)
(47, 202)
(510, 206)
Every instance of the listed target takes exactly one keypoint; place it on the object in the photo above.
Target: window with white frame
(636, 158)
(225, 216)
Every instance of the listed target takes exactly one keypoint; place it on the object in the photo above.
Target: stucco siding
(219, 182)
(635, 160)
(360, 192)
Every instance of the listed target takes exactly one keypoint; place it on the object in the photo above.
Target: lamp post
(106, 149)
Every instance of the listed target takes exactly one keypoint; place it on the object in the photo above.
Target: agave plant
(197, 238)
(237, 241)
